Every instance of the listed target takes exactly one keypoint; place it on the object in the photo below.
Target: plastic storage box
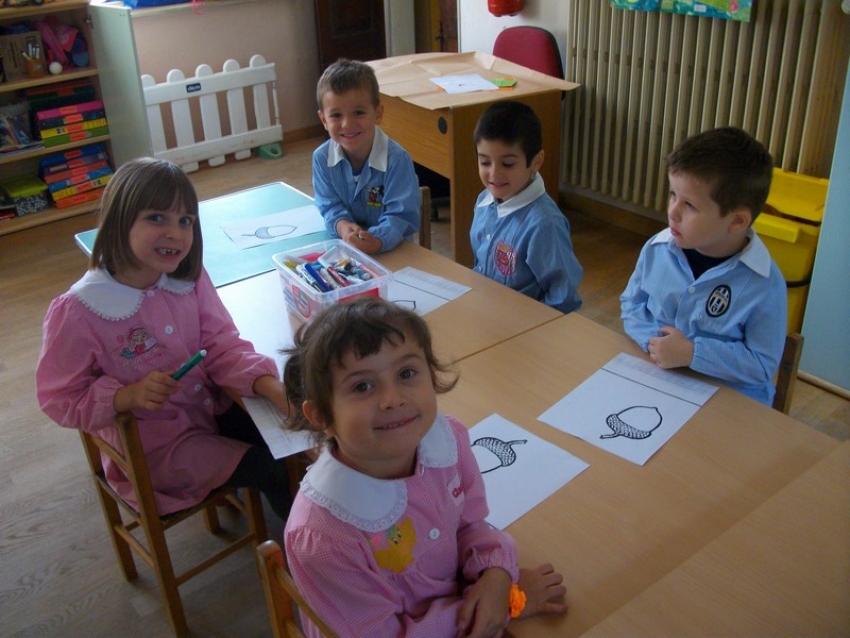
(29, 194)
(301, 292)
(791, 230)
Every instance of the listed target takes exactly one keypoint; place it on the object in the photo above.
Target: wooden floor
(59, 576)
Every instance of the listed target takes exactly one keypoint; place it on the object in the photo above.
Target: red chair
(531, 47)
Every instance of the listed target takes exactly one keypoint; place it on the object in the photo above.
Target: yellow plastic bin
(791, 235)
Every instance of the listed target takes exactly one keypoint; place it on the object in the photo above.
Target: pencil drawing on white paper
(493, 453)
(635, 422)
(272, 232)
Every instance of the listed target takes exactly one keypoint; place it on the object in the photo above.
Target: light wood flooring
(59, 576)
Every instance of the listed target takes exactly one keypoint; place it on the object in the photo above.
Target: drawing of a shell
(501, 453)
(636, 422)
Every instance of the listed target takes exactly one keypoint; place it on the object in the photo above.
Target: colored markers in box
(329, 272)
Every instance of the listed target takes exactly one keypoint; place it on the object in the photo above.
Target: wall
(826, 352)
(283, 31)
(477, 27)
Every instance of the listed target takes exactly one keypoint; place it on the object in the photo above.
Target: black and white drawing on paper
(629, 407)
(289, 224)
(520, 470)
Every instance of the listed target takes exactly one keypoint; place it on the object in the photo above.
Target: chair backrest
(425, 217)
(531, 47)
(786, 378)
(282, 596)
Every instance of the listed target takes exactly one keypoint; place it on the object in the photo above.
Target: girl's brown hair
(361, 326)
(143, 184)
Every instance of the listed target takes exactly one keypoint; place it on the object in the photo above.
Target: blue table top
(225, 262)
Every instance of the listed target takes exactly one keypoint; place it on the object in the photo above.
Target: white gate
(176, 95)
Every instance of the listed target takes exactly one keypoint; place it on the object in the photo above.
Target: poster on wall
(728, 9)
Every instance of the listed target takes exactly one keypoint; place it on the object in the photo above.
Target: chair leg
(164, 571)
(211, 520)
(112, 514)
(255, 516)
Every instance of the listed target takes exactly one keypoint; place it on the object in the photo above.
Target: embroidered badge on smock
(393, 548)
(375, 196)
(137, 342)
(718, 301)
(505, 258)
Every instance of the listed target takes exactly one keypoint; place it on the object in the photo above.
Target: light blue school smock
(524, 243)
(384, 199)
(735, 313)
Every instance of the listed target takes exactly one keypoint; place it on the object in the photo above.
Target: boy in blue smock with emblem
(705, 293)
(363, 182)
(519, 236)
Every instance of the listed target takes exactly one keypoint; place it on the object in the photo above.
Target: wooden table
(486, 315)
(618, 529)
(439, 135)
(783, 570)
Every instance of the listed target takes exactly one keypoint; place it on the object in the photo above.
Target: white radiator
(179, 96)
(651, 79)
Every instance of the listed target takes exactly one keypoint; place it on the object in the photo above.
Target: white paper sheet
(630, 407)
(421, 291)
(520, 469)
(256, 231)
(468, 83)
(269, 422)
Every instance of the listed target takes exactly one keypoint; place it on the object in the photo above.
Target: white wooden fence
(178, 91)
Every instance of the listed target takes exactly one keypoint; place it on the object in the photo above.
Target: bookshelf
(25, 162)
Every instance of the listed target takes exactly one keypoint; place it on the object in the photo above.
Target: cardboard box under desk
(12, 47)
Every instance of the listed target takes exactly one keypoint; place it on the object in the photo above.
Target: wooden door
(352, 29)
(448, 25)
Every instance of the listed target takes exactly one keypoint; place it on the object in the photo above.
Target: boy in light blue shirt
(519, 236)
(363, 182)
(705, 293)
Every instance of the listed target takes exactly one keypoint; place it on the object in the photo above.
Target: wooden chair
(154, 550)
(282, 596)
(425, 217)
(786, 378)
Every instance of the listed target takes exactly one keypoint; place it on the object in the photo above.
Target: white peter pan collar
(754, 255)
(377, 156)
(99, 292)
(535, 189)
(368, 503)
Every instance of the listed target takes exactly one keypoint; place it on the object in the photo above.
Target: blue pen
(191, 363)
(321, 282)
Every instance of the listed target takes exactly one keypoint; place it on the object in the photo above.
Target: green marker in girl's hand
(191, 363)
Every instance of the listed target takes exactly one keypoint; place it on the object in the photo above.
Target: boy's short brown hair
(346, 75)
(737, 166)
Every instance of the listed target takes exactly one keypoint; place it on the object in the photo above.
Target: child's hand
(150, 393)
(272, 389)
(671, 350)
(544, 591)
(484, 611)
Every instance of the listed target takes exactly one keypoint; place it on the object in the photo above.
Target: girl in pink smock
(145, 306)
(387, 535)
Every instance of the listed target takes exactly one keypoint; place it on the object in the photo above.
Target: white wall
(477, 27)
(400, 26)
(826, 352)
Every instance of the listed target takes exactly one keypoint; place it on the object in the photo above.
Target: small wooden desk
(619, 528)
(438, 135)
(486, 315)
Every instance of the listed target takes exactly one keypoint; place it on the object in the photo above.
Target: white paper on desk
(256, 231)
(520, 470)
(421, 291)
(468, 83)
(269, 422)
(629, 407)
